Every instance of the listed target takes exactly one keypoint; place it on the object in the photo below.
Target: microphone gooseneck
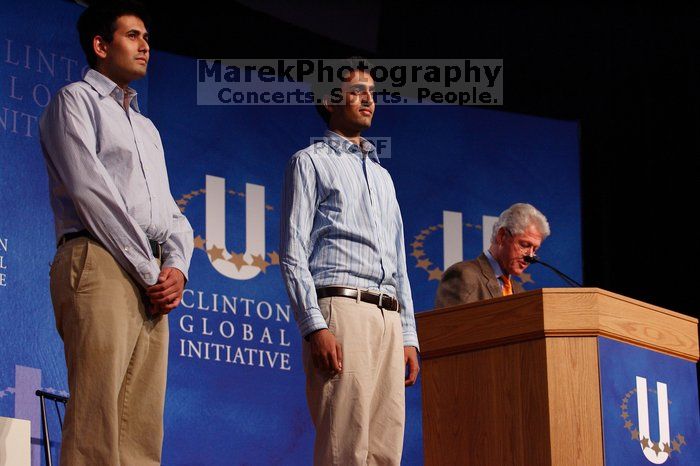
(536, 260)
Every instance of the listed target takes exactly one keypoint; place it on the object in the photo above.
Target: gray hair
(517, 218)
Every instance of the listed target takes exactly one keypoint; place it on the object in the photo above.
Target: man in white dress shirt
(124, 247)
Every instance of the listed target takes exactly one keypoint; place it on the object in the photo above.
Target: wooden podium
(515, 380)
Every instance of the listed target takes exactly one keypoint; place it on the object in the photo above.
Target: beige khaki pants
(116, 359)
(359, 414)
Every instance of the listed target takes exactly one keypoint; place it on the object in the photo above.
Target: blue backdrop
(235, 383)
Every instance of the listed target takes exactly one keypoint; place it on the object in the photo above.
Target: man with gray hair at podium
(518, 232)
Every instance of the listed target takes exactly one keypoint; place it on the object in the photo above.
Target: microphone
(536, 260)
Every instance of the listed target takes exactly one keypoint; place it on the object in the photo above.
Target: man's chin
(138, 73)
(364, 124)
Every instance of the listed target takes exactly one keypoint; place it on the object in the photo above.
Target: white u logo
(656, 457)
(452, 236)
(254, 227)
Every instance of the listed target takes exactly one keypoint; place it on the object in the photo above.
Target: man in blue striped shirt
(344, 265)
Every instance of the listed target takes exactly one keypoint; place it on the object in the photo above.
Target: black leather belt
(382, 301)
(156, 248)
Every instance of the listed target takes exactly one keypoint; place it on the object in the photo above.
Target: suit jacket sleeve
(455, 287)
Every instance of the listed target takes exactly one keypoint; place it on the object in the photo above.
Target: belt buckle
(380, 304)
(394, 303)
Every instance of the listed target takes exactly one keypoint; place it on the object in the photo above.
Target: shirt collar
(339, 144)
(494, 264)
(106, 87)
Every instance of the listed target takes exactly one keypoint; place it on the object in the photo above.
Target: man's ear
(100, 46)
(500, 235)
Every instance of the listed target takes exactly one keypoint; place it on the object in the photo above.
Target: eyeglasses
(525, 247)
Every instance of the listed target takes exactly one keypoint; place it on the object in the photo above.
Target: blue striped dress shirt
(341, 225)
(107, 174)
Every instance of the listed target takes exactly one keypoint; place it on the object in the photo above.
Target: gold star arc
(238, 260)
(215, 253)
(424, 264)
(260, 262)
(417, 253)
(647, 443)
(526, 278)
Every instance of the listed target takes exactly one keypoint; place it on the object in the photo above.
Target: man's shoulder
(317, 150)
(76, 89)
(471, 266)
(78, 93)
(311, 156)
(75, 95)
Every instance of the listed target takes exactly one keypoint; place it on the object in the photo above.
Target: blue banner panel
(650, 407)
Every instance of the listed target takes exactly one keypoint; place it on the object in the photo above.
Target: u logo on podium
(656, 452)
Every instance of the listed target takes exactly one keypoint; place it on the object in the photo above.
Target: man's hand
(326, 353)
(410, 359)
(166, 294)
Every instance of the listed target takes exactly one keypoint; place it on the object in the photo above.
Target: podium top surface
(556, 312)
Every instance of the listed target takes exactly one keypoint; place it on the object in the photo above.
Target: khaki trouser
(116, 359)
(359, 414)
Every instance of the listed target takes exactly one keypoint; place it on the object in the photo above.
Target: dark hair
(100, 18)
(322, 89)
